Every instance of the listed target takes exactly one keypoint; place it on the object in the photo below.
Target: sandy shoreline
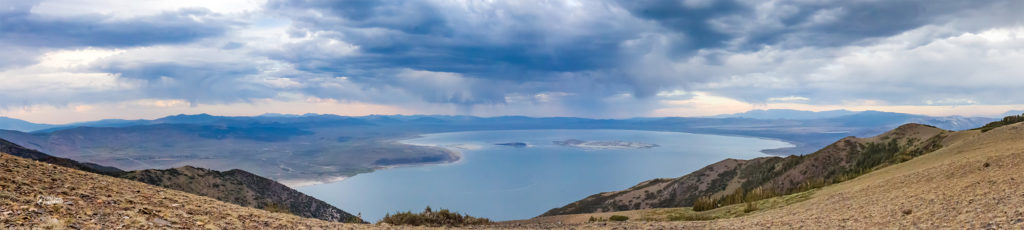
(454, 157)
(297, 183)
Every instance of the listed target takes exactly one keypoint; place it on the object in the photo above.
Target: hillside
(241, 188)
(840, 161)
(41, 195)
(17, 150)
(972, 182)
(235, 186)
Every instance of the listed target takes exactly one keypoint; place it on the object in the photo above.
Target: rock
(49, 200)
(160, 222)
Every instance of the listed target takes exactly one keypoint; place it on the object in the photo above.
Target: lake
(508, 182)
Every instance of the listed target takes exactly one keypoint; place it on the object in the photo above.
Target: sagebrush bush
(428, 217)
(1006, 121)
(704, 203)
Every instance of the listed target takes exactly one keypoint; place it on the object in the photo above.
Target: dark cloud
(503, 43)
(212, 83)
(528, 48)
(20, 26)
(750, 25)
(583, 56)
(693, 21)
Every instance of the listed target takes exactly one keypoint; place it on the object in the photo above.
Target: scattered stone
(986, 165)
(49, 200)
(160, 222)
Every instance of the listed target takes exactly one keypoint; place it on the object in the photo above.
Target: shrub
(618, 218)
(760, 193)
(751, 206)
(274, 207)
(704, 203)
(1006, 121)
(355, 220)
(441, 218)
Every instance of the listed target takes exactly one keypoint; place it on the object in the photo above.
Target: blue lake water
(504, 182)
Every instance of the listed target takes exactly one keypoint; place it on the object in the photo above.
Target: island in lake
(605, 144)
(514, 144)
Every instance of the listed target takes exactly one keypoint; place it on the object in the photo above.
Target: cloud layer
(564, 58)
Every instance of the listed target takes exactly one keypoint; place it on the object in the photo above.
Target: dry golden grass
(39, 195)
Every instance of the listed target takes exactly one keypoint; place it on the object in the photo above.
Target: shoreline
(456, 155)
(298, 183)
(795, 144)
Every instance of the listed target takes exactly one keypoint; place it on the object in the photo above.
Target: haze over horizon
(70, 60)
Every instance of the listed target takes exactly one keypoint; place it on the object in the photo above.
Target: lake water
(504, 182)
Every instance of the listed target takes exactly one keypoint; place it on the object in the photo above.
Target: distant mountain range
(787, 114)
(312, 148)
(769, 114)
(20, 125)
(956, 122)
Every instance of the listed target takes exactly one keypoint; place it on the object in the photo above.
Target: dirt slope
(40, 195)
(241, 188)
(234, 186)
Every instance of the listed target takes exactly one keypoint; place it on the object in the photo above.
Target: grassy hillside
(241, 188)
(971, 182)
(734, 181)
(235, 186)
(17, 150)
(40, 195)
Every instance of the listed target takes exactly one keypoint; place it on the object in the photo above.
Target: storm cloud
(573, 57)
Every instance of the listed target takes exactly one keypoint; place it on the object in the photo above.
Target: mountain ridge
(840, 161)
(39, 195)
(234, 186)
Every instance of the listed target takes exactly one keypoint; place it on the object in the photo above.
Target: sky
(70, 60)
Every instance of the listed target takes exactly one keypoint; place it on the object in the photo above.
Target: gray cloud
(585, 57)
(748, 25)
(177, 27)
(503, 41)
(656, 45)
(26, 35)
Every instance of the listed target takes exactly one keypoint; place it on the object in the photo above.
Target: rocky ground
(39, 195)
